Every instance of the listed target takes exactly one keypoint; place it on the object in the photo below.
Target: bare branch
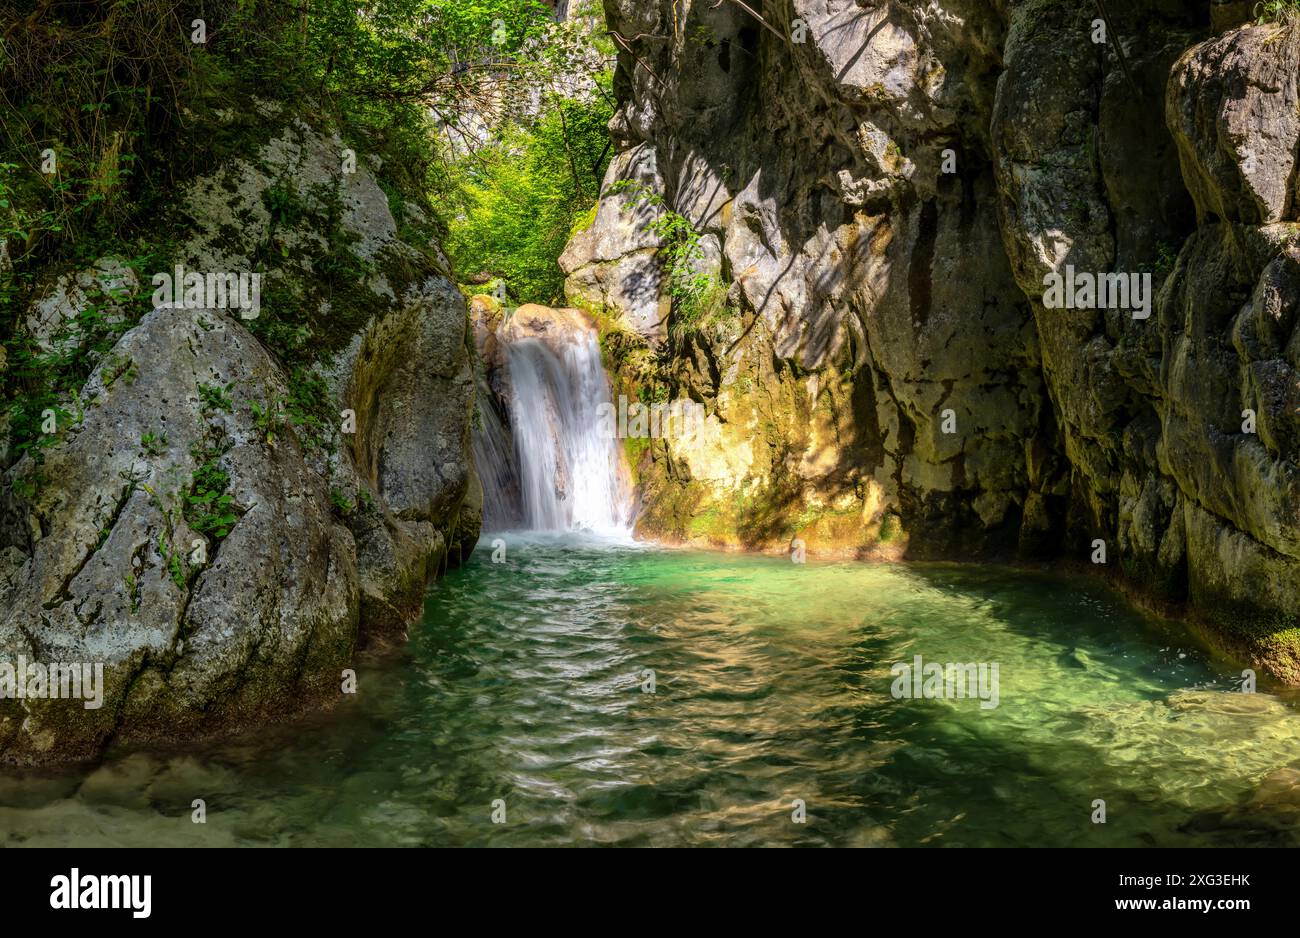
(750, 10)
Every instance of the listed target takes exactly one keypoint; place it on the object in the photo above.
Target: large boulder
(1233, 107)
(219, 527)
(613, 264)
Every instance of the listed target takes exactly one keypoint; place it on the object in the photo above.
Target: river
(520, 714)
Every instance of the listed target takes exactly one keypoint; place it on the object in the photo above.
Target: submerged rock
(1270, 816)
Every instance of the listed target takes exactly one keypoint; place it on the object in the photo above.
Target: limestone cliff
(880, 190)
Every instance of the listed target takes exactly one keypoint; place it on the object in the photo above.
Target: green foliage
(1166, 259)
(173, 558)
(40, 378)
(284, 324)
(307, 322)
(215, 397)
(523, 176)
(657, 394)
(282, 202)
(110, 86)
(341, 502)
(308, 407)
(152, 443)
(633, 448)
(173, 562)
(208, 507)
(269, 418)
(1286, 12)
(87, 82)
(131, 106)
(518, 201)
(341, 265)
(585, 220)
(25, 487)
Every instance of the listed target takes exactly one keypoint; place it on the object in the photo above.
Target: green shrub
(208, 506)
(1286, 12)
(132, 108)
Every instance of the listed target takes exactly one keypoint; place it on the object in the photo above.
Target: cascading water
(567, 472)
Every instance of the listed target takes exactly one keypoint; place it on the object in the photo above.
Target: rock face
(554, 328)
(877, 357)
(614, 263)
(880, 190)
(345, 478)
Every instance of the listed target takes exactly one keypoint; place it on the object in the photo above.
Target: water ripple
(525, 687)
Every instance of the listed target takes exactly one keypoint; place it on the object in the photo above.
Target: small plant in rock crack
(133, 590)
(25, 486)
(283, 203)
(341, 502)
(215, 397)
(173, 561)
(153, 444)
(1166, 259)
(308, 408)
(208, 507)
(268, 417)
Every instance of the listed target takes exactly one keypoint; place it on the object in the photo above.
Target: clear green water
(524, 683)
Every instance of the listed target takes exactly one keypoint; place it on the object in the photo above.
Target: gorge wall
(878, 190)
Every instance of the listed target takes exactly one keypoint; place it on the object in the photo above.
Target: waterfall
(564, 471)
